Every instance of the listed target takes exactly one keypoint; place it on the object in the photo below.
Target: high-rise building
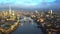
(50, 12)
(10, 10)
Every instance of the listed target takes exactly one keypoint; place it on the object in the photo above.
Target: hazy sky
(24, 2)
(30, 3)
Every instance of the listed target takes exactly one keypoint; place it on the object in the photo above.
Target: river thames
(28, 27)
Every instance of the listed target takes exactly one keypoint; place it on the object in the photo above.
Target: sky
(24, 2)
(31, 3)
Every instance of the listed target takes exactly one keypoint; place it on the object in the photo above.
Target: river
(27, 28)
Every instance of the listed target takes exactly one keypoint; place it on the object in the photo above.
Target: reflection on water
(27, 28)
